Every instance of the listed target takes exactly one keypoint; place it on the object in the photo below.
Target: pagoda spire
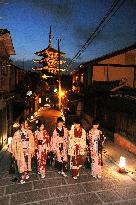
(50, 57)
(50, 39)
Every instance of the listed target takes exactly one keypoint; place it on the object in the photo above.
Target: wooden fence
(114, 115)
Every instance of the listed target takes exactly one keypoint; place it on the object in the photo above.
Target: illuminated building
(50, 58)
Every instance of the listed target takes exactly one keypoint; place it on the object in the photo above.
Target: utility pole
(59, 74)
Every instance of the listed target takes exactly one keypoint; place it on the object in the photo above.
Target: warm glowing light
(15, 125)
(61, 94)
(32, 117)
(40, 100)
(47, 105)
(46, 76)
(122, 162)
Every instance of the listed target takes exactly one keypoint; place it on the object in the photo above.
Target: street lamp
(61, 94)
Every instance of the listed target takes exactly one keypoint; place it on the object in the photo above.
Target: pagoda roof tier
(49, 64)
(49, 69)
(46, 60)
(48, 50)
(49, 61)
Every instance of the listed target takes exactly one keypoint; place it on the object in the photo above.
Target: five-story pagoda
(50, 58)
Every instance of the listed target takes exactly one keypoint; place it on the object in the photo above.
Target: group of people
(68, 147)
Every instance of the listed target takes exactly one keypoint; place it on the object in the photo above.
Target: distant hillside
(27, 65)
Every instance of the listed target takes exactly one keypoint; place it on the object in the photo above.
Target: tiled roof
(7, 41)
(107, 56)
(115, 53)
(49, 49)
(4, 31)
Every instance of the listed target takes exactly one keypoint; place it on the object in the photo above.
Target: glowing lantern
(40, 100)
(122, 164)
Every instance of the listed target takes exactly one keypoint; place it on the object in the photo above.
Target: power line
(107, 18)
(104, 25)
(103, 20)
(112, 6)
(94, 34)
(99, 31)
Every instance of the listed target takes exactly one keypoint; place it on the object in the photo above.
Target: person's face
(60, 124)
(25, 124)
(41, 127)
(77, 126)
(96, 126)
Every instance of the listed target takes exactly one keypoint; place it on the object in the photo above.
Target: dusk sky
(73, 21)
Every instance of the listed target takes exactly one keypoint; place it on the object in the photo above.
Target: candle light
(122, 164)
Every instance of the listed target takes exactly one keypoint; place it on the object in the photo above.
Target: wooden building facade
(108, 87)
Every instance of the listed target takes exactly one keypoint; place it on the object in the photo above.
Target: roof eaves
(117, 52)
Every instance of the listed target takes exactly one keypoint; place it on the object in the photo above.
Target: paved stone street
(114, 188)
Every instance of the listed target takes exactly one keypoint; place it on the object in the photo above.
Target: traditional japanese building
(107, 86)
(7, 77)
(50, 58)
